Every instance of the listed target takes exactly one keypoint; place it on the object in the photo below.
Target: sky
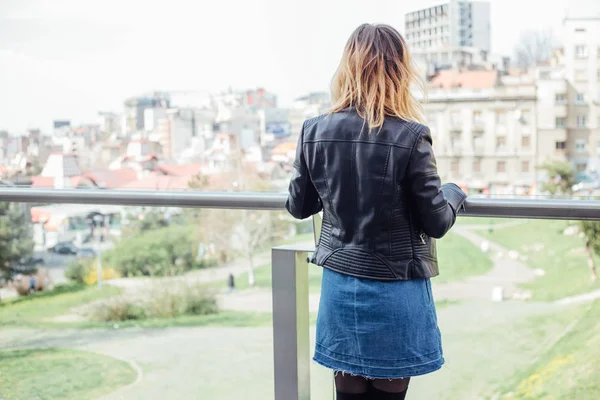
(69, 59)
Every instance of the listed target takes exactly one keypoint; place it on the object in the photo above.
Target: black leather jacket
(380, 194)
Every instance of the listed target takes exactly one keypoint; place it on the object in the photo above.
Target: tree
(561, 178)
(591, 229)
(16, 242)
(534, 47)
(243, 229)
(145, 221)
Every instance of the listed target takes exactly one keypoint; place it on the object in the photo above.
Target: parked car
(586, 182)
(66, 248)
(86, 252)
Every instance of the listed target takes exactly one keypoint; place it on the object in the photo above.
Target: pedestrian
(231, 283)
(368, 164)
(31, 284)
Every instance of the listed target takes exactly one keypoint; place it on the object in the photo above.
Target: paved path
(506, 272)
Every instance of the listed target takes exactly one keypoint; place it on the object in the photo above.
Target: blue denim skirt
(379, 330)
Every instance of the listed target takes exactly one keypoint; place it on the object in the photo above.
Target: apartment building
(454, 33)
(484, 129)
(582, 74)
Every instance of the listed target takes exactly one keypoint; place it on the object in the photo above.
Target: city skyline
(69, 61)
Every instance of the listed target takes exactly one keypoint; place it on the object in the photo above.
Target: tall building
(135, 110)
(455, 33)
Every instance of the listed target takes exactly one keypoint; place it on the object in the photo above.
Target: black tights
(349, 387)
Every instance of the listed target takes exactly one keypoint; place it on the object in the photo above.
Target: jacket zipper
(423, 237)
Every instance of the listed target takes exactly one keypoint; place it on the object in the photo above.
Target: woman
(369, 166)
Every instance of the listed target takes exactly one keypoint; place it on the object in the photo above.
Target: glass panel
(178, 310)
(516, 299)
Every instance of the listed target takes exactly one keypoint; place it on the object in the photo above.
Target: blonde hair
(375, 77)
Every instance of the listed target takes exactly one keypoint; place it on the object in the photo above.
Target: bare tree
(245, 230)
(534, 47)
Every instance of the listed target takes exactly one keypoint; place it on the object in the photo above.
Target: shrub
(120, 308)
(158, 302)
(180, 299)
(77, 270)
(23, 284)
(85, 271)
(160, 252)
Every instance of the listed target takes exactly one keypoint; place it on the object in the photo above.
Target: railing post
(291, 341)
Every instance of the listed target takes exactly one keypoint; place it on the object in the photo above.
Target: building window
(500, 142)
(580, 75)
(560, 98)
(580, 145)
(560, 122)
(525, 117)
(525, 141)
(579, 29)
(545, 75)
(477, 117)
(581, 121)
(501, 117)
(580, 98)
(560, 145)
(580, 167)
(477, 166)
(455, 166)
(501, 166)
(524, 166)
(580, 51)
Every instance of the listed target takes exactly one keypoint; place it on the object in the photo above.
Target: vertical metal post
(317, 223)
(291, 341)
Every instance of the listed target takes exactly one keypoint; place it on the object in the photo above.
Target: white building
(306, 107)
(484, 130)
(582, 72)
(453, 33)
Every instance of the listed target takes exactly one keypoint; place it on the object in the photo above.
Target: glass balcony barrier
(155, 295)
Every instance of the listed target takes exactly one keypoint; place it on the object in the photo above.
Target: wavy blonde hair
(375, 77)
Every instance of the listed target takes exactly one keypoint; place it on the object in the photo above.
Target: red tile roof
(158, 182)
(47, 182)
(112, 178)
(468, 79)
(181, 170)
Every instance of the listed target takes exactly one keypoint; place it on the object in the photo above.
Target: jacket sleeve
(437, 205)
(303, 199)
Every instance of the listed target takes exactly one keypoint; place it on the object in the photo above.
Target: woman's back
(380, 194)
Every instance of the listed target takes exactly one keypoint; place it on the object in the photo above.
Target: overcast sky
(71, 58)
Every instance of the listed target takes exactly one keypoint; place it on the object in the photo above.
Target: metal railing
(480, 207)
(291, 324)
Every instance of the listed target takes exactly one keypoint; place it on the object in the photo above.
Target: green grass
(42, 308)
(571, 367)
(562, 257)
(60, 374)
(480, 221)
(459, 259)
